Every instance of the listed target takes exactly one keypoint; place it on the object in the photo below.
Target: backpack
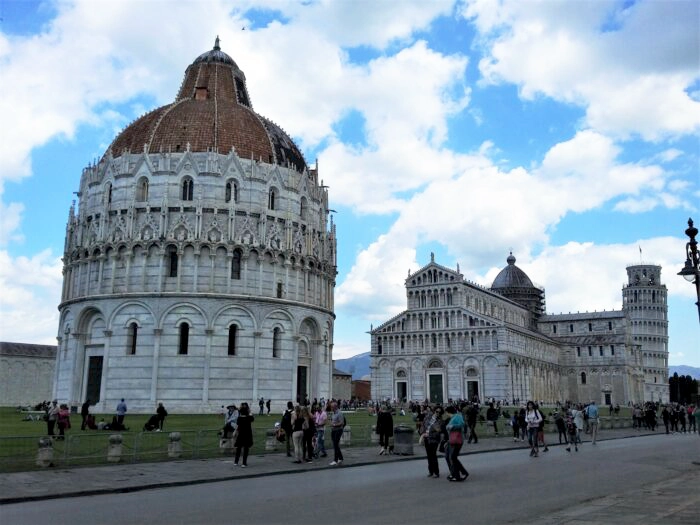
(286, 420)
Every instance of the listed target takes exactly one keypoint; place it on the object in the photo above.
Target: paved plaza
(666, 493)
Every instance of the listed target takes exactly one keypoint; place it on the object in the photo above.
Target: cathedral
(459, 340)
(200, 261)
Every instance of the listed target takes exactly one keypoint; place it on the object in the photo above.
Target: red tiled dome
(212, 111)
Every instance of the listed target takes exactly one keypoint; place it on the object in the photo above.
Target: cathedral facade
(200, 262)
(458, 340)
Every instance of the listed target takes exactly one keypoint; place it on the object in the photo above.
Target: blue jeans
(532, 436)
(336, 434)
(320, 444)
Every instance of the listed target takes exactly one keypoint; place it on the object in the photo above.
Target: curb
(168, 484)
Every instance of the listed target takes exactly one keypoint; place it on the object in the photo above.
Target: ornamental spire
(216, 44)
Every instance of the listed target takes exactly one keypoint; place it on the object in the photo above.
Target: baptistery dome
(212, 112)
(200, 260)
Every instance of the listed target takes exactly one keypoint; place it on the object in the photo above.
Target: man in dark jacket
(286, 425)
(84, 412)
(472, 415)
(385, 428)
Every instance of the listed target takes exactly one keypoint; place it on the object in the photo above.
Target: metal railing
(22, 453)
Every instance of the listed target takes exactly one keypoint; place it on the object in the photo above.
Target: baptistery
(200, 260)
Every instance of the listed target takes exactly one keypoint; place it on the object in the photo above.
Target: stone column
(195, 280)
(256, 351)
(127, 276)
(207, 357)
(154, 367)
(180, 255)
(105, 368)
(78, 369)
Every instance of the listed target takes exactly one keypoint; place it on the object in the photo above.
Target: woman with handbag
(431, 434)
(455, 430)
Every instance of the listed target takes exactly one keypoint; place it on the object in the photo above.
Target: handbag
(455, 437)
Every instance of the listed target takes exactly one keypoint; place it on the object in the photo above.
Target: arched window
(108, 192)
(271, 198)
(231, 191)
(379, 348)
(303, 208)
(131, 338)
(279, 290)
(142, 190)
(236, 265)
(187, 189)
(172, 254)
(184, 341)
(232, 332)
(583, 378)
(276, 342)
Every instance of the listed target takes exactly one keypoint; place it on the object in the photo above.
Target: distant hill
(684, 370)
(357, 365)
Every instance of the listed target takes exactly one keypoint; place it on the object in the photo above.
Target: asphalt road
(503, 487)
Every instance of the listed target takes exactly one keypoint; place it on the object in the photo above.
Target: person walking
(84, 413)
(309, 431)
(571, 430)
(533, 419)
(52, 416)
(455, 431)
(431, 433)
(267, 406)
(162, 414)
(577, 414)
(472, 415)
(286, 425)
(261, 404)
(244, 435)
(385, 428)
(297, 433)
(592, 411)
(320, 420)
(121, 412)
(561, 426)
(692, 427)
(492, 417)
(666, 417)
(337, 426)
(63, 420)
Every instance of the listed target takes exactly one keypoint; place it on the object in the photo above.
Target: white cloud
(31, 290)
(630, 66)
(478, 210)
(10, 218)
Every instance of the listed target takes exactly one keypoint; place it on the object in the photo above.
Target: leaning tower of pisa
(645, 302)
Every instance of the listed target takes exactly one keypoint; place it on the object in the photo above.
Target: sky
(566, 132)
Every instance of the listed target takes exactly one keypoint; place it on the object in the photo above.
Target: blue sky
(565, 131)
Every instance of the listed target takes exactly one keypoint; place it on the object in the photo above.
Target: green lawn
(199, 437)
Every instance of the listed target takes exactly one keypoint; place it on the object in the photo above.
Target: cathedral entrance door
(302, 383)
(472, 389)
(401, 394)
(435, 388)
(94, 379)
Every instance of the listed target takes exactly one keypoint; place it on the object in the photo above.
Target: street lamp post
(691, 270)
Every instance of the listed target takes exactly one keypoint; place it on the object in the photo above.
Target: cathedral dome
(212, 112)
(511, 277)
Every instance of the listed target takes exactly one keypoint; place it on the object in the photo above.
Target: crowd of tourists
(302, 428)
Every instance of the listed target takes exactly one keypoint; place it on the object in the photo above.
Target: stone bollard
(403, 440)
(114, 452)
(271, 440)
(226, 445)
(44, 456)
(346, 438)
(174, 445)
(374, 437)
